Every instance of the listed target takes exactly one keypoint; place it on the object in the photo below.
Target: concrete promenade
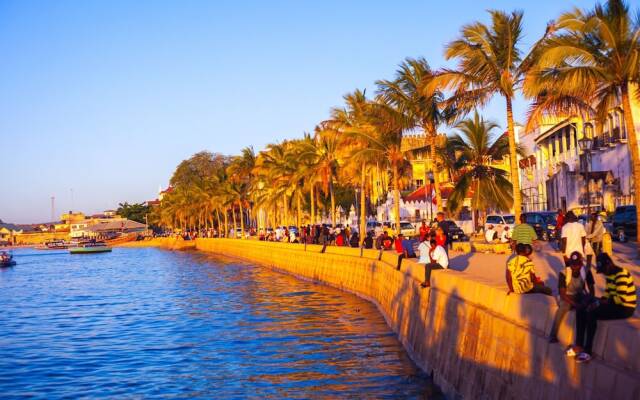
(477, 341)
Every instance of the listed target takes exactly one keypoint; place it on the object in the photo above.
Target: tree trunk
(333, 205)
(241, 220)
(226, 223)
(513, 161)
(396, 197)
(432, 139)
(363, 211)
(235, 223)
(635, 158)
(299, 206)
(285, 212)
(313, 206)
(218, 219)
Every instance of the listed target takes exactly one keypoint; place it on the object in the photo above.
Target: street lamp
(586, 144)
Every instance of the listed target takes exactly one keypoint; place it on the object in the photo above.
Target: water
(144, 323)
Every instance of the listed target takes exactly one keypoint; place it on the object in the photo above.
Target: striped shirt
(620, 288)
(520, 268)
(524, 233)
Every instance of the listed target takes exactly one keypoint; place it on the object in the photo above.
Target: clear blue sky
(105, 98)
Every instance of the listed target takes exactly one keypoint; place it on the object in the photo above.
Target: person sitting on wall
(618, 302)
(520, 274)
(354, 241)
(368, 241)
(399, 249)
(438, 259)
(491, 234)
(505, 235)
(387, 241)
(572, 286)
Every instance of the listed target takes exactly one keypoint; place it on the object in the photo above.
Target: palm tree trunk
(226, 223)
(313, 206)
(285, 212)
(218, 219)
(241, 220)
(235, 223)
(513, 161)
(333, 205)
(363, 205)
(635, 158)
(299, 218)
(433, 135)
(396, 197)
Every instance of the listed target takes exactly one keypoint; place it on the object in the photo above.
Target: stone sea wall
(476, 341)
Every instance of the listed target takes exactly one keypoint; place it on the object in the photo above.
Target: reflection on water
(151, 323)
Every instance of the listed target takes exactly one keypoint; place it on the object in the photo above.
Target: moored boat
(89, 248)
(6, 260)
(56, 244)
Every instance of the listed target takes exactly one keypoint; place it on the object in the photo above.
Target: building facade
(557, 174)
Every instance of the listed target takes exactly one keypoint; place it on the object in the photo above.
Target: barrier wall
(476, 341)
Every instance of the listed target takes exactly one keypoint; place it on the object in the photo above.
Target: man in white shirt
(505, 236)
(573, 236)
(439, 260)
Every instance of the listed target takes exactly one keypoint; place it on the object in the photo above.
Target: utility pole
(53, 208)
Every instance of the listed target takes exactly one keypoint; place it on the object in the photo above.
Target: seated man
(491, 234)
(505, 235)
(618, 302)
(368, 241)
(438, 259)
(572, 286)
(520, 275)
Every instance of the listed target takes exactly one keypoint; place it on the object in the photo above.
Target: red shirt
(339, 240)
(441, 240)
(398, 244)
(424, 231)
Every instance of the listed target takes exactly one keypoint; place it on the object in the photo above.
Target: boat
(56, 244)
(90, 248)
(6, 260)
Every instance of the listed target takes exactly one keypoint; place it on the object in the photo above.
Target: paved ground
(490, 268)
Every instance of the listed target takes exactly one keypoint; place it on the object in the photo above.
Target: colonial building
(563, 173)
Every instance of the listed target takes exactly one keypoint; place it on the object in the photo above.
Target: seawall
(476, 341)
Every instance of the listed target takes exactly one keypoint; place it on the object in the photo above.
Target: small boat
(56, 244)
(6, 260)
(90, 248)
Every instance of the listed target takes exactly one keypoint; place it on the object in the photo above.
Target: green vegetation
(585, 62)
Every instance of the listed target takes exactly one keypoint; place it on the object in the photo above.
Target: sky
(100, 100)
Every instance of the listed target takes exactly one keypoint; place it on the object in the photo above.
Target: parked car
(625, 223)
(456, 234)
(406, 228)
(544, 223)
(500, 221)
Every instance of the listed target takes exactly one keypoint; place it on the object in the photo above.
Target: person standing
(618, 302)
(424, 231)
(573, 237)
(559, 224)
(595, 233)
(523, 233)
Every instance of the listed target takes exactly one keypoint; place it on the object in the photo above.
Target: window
(419, 182)
(494, 219)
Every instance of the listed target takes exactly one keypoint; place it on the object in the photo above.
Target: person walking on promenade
(520, 274)
(438, 259)
(595, 233)
(399, 249)
(572, 287)
(523, 233)
(424, 231)
(559, 224)
(618, 302)
(573, 237)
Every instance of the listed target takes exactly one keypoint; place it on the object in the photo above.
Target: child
(520, 275)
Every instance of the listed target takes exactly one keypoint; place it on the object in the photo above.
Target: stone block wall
(477, 342)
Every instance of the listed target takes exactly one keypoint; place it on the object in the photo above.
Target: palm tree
(487, 185)
(426, 109)
(490, 62)
(593, 58)
(241, 176)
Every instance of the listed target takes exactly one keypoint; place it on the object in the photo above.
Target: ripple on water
(140, 323)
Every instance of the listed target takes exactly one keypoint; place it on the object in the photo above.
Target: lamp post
(586, 144)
